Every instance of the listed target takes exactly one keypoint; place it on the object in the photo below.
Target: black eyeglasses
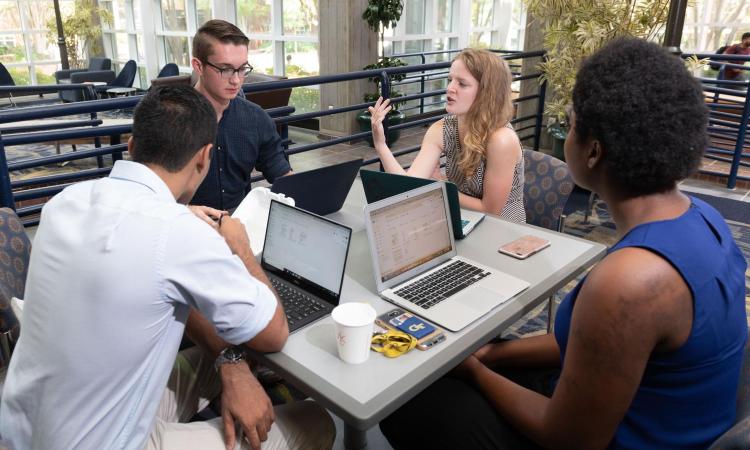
(228, 72)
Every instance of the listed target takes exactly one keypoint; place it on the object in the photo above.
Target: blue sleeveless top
(687, 397)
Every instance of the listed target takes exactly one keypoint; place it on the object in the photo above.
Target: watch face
(234, 354)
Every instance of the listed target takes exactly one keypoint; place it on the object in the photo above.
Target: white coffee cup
(354, 324)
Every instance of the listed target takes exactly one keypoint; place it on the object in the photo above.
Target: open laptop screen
(306, 247)
(410, 233)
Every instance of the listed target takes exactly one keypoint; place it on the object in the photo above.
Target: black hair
(647, 112)
(170, 125)
(745, 35)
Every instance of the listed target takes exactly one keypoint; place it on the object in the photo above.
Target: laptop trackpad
(480, 299)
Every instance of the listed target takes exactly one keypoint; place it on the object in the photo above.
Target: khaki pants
(194, 383)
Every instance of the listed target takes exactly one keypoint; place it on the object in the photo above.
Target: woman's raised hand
(378, 113)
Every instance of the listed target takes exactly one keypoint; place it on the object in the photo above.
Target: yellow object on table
(393, 343)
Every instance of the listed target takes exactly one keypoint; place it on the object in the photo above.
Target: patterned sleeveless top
(513, 210)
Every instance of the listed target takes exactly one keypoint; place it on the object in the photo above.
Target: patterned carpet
(600, 228)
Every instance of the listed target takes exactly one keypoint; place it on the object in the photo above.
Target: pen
(220, 216)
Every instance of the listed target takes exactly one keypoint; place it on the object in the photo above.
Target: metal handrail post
(738, 146)
(6, 191)
(421, 86)
(539, 114)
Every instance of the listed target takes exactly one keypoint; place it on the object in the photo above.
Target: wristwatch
(230, 355)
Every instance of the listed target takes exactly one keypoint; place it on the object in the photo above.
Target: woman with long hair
(483, 154)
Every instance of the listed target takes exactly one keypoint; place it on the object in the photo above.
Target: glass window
(120, 18)
(122, 50)
(12, 48)
(481, 13)
(203, 12)
(305, 99)
(414, 15)
(10, 18)
(416, 46)
(173, 15)
(45, 74)
(37, 14)
(139, 47)
(481, 39)
(447, 15)
(300, 17)
(42, 49)
(301, 59)
(176, 50)
(254, 16)
(137, 15)
(20, 75)
(260, 56)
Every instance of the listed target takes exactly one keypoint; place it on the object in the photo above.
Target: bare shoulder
(640, 294)
(504, 143)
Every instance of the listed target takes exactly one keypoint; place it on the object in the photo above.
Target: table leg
(354, 438)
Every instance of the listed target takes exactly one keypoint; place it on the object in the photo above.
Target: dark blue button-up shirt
(246, 139)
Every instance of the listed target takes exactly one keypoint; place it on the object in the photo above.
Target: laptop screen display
(306, 247)
(410, 233)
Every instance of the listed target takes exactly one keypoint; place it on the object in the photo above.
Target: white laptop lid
(408, 234)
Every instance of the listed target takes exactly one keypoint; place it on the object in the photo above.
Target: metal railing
(38, 189)
(729, 112)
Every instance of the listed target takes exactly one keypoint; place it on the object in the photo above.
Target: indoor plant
(574, 29)
(379, 15)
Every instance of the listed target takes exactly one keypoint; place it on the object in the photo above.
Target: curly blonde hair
(492, 107)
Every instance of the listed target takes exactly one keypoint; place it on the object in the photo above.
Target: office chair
(15, 249)
(546, 188)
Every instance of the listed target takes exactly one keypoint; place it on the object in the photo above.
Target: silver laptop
(416, 265)
(304, 256)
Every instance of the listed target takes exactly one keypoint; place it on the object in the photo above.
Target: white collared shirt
(115, 266)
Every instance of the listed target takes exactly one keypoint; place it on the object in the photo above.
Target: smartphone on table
(524, 246)
(427, 334)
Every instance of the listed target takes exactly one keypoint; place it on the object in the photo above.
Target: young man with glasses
(247, 136)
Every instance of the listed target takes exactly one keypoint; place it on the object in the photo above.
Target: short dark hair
(745, 35)
(646, 110)
(219, 30)
(170, 125)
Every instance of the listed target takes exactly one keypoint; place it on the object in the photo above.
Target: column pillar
(346, 45)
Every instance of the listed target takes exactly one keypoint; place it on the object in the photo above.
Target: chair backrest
(15, 249)
(169, 70)
(5, 78)
(126, 76)
(547, 186)
(738, 437)
(179, 80)
(99, 63)
(268, 99)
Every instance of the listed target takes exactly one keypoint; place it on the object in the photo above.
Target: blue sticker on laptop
(412, 325)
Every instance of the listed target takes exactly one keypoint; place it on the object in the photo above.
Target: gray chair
(15, 248)
(738, 437)
(99, 70)
(124, 79)
(547, 186)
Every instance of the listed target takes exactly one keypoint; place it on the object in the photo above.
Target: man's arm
(243, 398)
(272, 160)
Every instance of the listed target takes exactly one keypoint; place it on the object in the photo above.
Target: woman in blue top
(650, 343)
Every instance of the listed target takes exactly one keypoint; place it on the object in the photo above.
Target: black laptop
(321, 191)
(304, 256)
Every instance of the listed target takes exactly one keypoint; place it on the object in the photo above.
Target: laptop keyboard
(441, 284)
(298, 306)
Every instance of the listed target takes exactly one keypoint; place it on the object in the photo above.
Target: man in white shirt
(119, 269)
